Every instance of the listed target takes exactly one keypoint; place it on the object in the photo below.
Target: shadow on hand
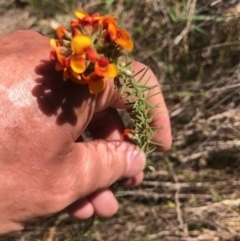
(58, 97)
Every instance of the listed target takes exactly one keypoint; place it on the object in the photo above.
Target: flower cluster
(89, 51)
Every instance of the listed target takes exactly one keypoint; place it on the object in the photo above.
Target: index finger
(161, 119)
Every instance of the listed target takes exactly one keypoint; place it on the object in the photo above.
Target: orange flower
(112, 30)
(77, 78)
(75, 31)
(96, 84)
(92, 55)
(60, 32)
(74, 23)
(58, 55)
(79, 44)
(126, 135)
(105, 19)
(87, 19)
(103, 68)
(120, 36)
(81, 15)
(124, 40)
(129, 135)
(88, 51)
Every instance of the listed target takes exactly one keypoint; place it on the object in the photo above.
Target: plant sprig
(137, 93)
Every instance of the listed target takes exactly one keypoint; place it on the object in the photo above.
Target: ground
(194, 48)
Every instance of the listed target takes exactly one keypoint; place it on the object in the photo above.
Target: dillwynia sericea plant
(93, 51)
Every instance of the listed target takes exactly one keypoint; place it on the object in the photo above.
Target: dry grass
(194, 48)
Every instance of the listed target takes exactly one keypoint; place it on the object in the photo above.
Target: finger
(104, 203)
(134, 181)
(101, 203)
(81, 209)
(98, 164)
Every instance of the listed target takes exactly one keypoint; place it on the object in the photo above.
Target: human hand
(45, 165)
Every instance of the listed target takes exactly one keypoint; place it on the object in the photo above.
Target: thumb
(98, 164)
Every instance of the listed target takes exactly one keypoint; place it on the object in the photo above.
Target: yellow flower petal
(79, 43)
(53, 43)
(109, 71)
(78, 64)
(80, 14)
(96, 85)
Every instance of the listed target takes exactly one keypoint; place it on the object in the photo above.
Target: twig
(183, 226)
(205, 151)
(157, 196)
(188, 184)
(226, 202)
